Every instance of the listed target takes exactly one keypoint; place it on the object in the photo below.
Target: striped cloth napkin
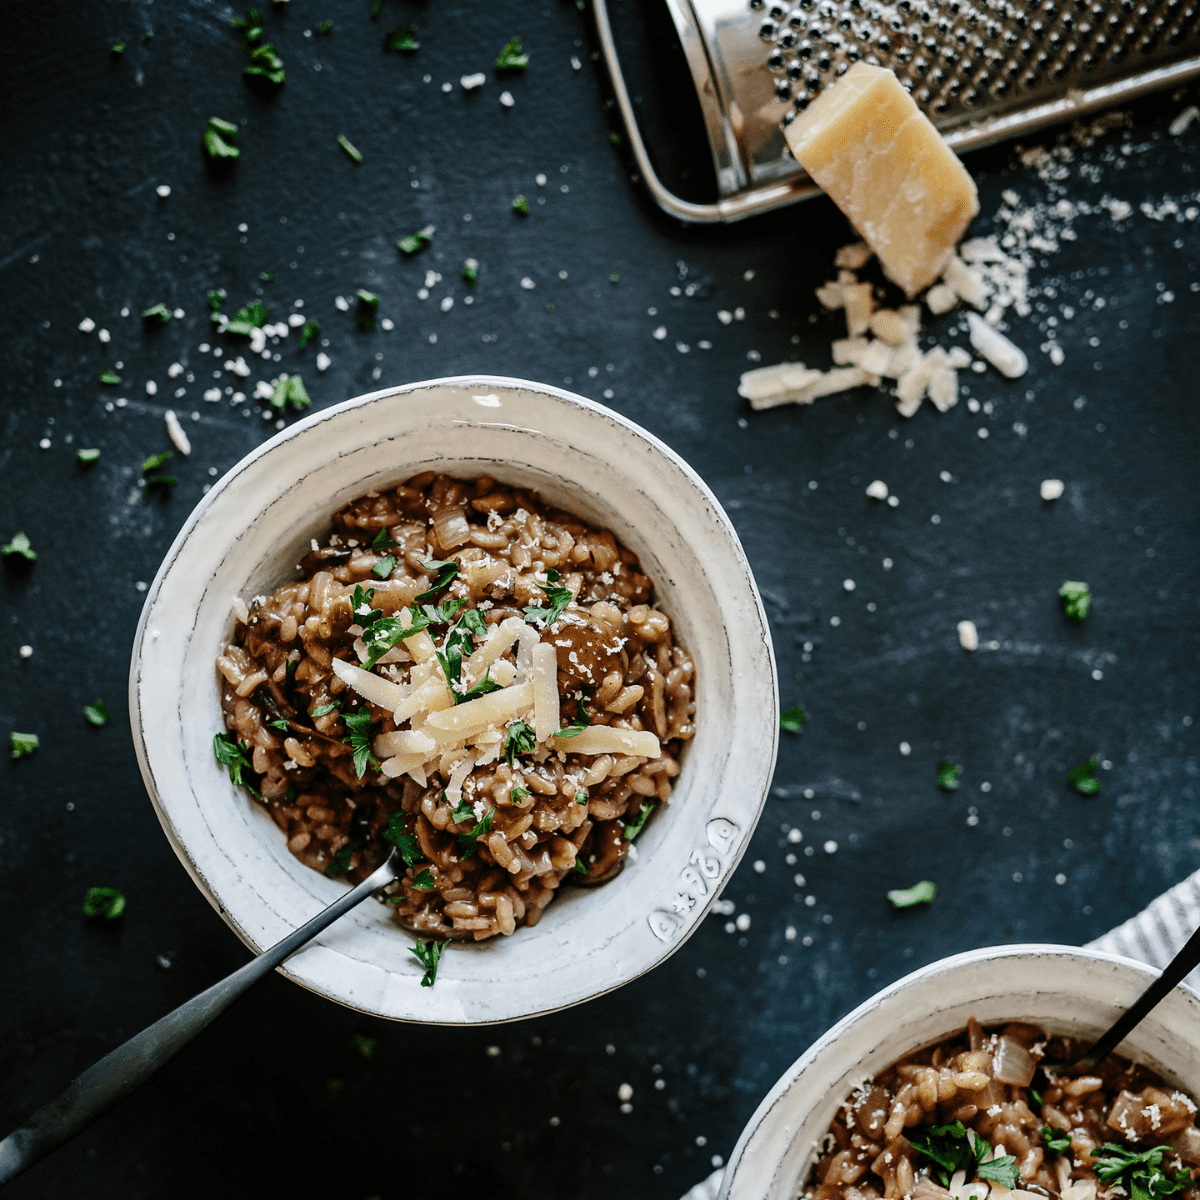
(1154, 936)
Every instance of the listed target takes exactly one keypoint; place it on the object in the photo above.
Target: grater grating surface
(982, 70)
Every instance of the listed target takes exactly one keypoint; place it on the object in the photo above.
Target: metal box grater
(982, 70)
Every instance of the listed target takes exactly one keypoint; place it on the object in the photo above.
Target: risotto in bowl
(487, 624)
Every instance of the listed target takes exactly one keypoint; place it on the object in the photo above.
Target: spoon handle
(1181, 965)
(126, 1068)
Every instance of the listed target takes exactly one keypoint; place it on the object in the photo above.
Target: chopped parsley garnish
(216, 302)
(518, 794)
(264, 62)
(580, 866)
(948, 775)
(311, 330)
(521, 205)
(451, 657)
(403, 37)
(251, 24)
(1147, 1180)
(385, 566)
(111, 378)
(581, 722)
(87, 456)
(559, 598)
(350, 148)
(97, 714)
(281, 725)
(368, 310)
(339, 864)
(793, 720)
(246, 320)
(381, 634)
(446, 571)
(406, 843)
(20, 545)
(323, 26)
(511, 58)
(219, 138)
(634, 827)
(485, 685)
(1037, 1097)
(232, 754)
(103, 902)
(158, 312)
(919, 893)
(155, 461)
(416, 241)
(950, 1148)
(470, 271)
(1076, 598)
(467, 840)
(518, 739)
(428, 954)
(22, 745)
(1083, 777)
(472, 620)
(290, 390)
(359, 725)
(424, 880)
(1058, 1140)
(382, 541)
(289, 669)
(326, 709)
(581, 797)
(464, 812)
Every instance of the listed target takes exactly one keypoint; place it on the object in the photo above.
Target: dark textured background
(276, 1097)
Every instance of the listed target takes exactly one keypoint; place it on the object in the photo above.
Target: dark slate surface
(277, 1098)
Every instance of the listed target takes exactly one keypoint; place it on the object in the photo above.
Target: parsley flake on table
(416, 241)
(793, 720)
(111, 378)
(518, 739)
(20, 545)
(350, 148)
(1143, 1172)
(219, 138)
(22, 745)
(521, 205)
(216, 302)
(403, 37)
(290, 390)
(312, 329)
(919, 893)
(368, 310)
(1076, 598)
(445, 574)
(87, 456)
(118, 48)
(1057, 1140)
(470, 271)
(511, 58)
(428, 954)
(634, 827)
(103, 902)
(232, 754)
(323, 27)
(359, 725)
(949, 775)
(614, 277)
(950, 1148)
(559, 598)
(97, 714)
(1083, 777)
(246, 320)
(267, 276)
(251, 24)
(158, 312)
(265, 63)
(167, 481)
(467, 841)
(155, 461)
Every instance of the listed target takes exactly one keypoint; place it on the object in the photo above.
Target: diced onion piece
(499, 639)
(475, 716)
(431, 696)
(371, 687)
(450, 527)
(403, 741)
(404, 764)
(545, 691)
(1012, 1063)
(610, 739)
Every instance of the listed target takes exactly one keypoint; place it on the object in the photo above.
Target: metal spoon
(1184, 962)
(117, 1074)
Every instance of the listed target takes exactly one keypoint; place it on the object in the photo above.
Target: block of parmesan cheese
(881, 161)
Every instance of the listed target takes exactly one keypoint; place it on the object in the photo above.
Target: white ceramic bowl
(247, 535)
(1062, 988)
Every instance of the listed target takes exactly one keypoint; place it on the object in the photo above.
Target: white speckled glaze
(1062, 988)
(247, 536)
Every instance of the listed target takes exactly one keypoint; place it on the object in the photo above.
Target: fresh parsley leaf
(634, 827)
(323, 26)
(1037, 1097)
(446, 571)
(251, 24)
(216, 302)
(580, 866)
(473, 621)
(464, 811)
(232, 754)
(155, 461)
(581, 722)
(360, 605)
(403, 37)
(246, 320)
(518, 794)
(385, 633)
(470, 271)
(97, 714)
(1076, 598)
(521, 206)
(312, 329)
(581, 797)
(452, 655)
(382, 541)
(359, 725)
(1083, 777)
(1057, 1140)
(289, 670)
(281, 725)
(339, 864)
(948, 775)
(485, 685)
(428, 954)
(265, 63)
(111, 378)
(1147, 1180)
(87, 456)
(518, 739)
(158, 312)
(20, 544)
(368, 310)
(467, 841)
(22, 745)
(948, 1147)
(290, 390)
(217, 147)
(559, 598)
(511, 58)
(919, 893)
(416, 241)
(1002, 1169)
(793, 720)
(103, 902)
(351, 150)
(409, 847)
(385, 566)
(424, 880)
(325, 709)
